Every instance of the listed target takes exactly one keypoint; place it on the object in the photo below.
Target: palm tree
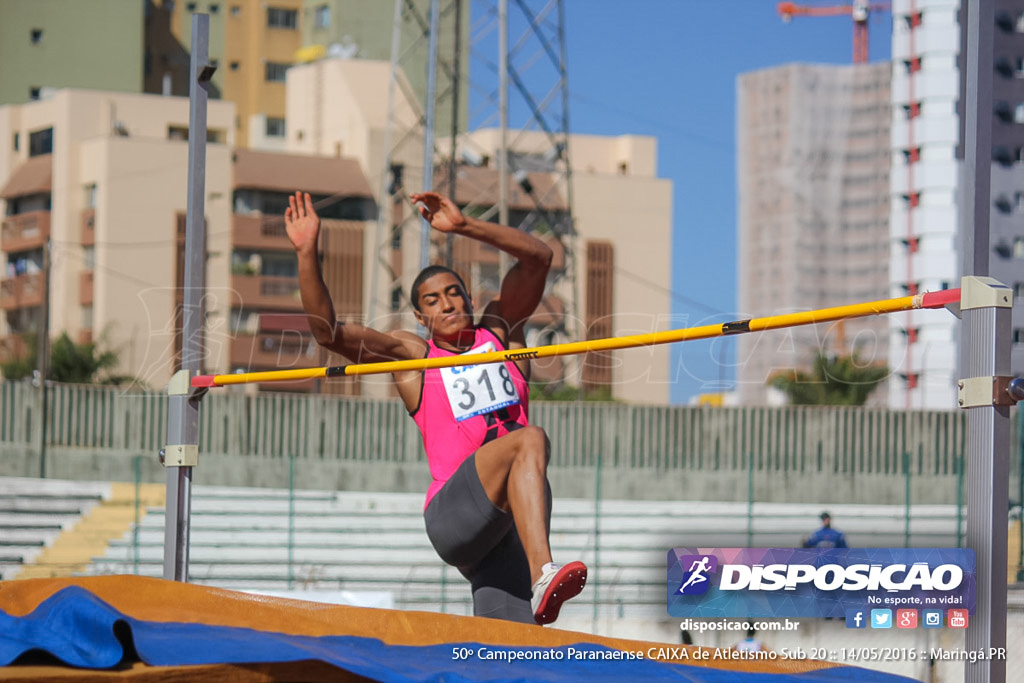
(833, 381)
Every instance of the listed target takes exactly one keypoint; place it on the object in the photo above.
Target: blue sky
(668, 68)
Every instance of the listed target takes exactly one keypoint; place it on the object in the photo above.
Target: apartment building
(251, 42)
(107, 198)
(622, 213)
(48, 44)
(813, 215)
(929, 113)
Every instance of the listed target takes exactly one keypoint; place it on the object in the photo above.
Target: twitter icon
(881, 618)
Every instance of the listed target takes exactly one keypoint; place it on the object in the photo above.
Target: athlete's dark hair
(426, 274)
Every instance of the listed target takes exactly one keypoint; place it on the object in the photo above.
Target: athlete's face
(445, 309)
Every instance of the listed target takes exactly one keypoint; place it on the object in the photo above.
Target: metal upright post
(985, 356)
(182, 452)
(428, 133)
(987, 307)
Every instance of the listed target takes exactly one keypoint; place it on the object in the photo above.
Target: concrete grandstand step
(348, 500)
(259, 520)
(58, 488)
(325, 537)
(48, 504)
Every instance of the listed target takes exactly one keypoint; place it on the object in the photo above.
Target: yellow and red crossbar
(822, 315)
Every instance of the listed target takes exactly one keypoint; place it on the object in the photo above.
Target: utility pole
(43, 357)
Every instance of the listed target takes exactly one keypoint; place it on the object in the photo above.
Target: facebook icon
(855, 618)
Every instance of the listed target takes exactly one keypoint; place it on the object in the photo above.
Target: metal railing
(838, 440)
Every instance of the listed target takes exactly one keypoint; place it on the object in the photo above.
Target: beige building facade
(103, 196)
(813, 220)
(622, 213)
(100, 179)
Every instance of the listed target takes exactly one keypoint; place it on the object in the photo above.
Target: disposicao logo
(809, 582)
(696, 578)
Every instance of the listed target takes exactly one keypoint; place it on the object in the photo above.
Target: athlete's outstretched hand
(301, 222)
(440, 212)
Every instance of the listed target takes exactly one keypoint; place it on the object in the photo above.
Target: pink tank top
(463, 408)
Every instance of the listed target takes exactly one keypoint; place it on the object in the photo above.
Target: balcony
(258, 232)
(85, 288)
(276, 351)
(13, 348)
(25, 231)
(88, 227)
(22, 291)
(265, 291)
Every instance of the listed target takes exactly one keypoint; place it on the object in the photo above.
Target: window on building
(275, 127)
(1018, 335)
(40, 142)
(90, 196)
(243, 320)
(89, 257)
(33, 92)
(234, 66)
(190, 6)
(1004, 21)
(1018, 113)
(275, 72)
(214, 8)
(1020, 23)
(16, 143)
(87, 317)
(1018, 290)
(1018, 247)
(177, 132)
(1018, 202)
(1003, 156)
(1003, 110)
(36, 36)
(322, 17)
(279, 17)
(235, 10)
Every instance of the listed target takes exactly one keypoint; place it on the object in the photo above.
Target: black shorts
(471, 533)
(462, 523)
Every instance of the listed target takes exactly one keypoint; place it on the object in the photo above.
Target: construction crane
(859, 10)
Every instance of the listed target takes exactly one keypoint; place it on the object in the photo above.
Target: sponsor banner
(813, 582)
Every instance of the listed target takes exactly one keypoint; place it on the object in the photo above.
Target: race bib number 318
(478, 389)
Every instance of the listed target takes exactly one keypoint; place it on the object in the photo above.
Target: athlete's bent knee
(535, 443)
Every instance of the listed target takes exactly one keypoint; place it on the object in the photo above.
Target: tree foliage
(567, 392)
(70, 363)
(833, 381)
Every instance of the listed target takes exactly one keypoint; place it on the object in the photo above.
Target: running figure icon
(697, 571)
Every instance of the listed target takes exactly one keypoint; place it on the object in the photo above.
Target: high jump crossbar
(920, 301)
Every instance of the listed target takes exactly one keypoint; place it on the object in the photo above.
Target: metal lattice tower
(497, 126)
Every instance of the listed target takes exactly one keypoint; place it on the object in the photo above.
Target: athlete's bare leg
(513, 471)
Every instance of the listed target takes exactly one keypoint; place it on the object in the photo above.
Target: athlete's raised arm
(358, 343)
(523, 286)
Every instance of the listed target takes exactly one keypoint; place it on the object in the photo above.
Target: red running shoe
(555, 586)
